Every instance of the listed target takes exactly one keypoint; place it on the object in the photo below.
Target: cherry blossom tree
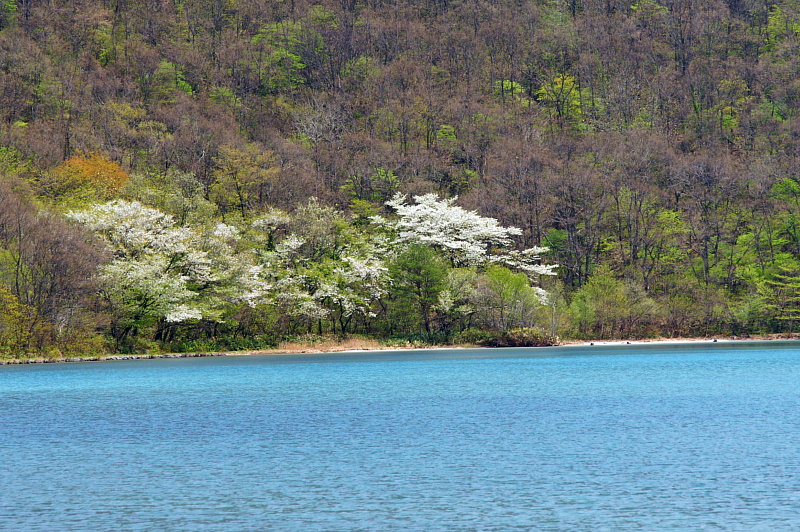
(465, 237)
(160, 272)
(311, 288)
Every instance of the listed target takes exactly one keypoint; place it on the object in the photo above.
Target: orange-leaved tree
(85, 177)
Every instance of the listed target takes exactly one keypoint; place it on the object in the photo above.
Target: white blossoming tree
(472, 243)
(464, 237)
(274, 280)
(310, 291)
(349, 287)
(313, 270)
(159, 271)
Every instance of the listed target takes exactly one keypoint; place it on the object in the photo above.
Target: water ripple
(651, 439)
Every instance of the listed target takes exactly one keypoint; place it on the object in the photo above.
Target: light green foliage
(770, 109)
(242, 178)
(562, 94)
(106, 51)
(556, 239)
(163, 83)
(177, 193)
(554, 309)
(606, 307)
(506, 86)
(279, 63)
(506, 300)
(783, 22)
(784, 294)
(457, 300)
(751, 312)
(284, 70)
(133, 127)
(446, 134)
(319, 15)
(670, 225)
(733, 95)
(464, 182)
(362, 212)
(508, 90)
(226, 96)
(13, 162)
(286, 33)
(728, 118)
(649, 8)
(8, 13)
(788, 191)
(360, 70)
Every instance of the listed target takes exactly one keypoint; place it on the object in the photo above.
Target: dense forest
(201, 174)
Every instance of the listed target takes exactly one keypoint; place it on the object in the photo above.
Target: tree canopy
(643, 150)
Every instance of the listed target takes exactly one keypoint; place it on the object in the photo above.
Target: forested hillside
(220, 173)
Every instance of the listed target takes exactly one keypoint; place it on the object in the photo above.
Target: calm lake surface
(671, 437)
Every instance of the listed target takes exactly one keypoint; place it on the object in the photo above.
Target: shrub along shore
(337, 346)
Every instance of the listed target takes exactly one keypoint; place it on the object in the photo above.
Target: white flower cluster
(226, 232)
(466, 237)
(272, 219)
(165, 271)
(526, 260)
(154, 260)
(130, 229)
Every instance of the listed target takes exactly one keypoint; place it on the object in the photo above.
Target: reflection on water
(693, 437)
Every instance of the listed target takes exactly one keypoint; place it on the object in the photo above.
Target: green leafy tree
(505, 300)
(562, 94)
(378, 187)
(168, 79)
(15, 334)
(8, 13)
(783, 23)
(606, 307)
(278, 62)
(784, 300)
(243, 179)
(419, 275)
(179, 194)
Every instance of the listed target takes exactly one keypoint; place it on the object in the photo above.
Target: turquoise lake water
(697, 437)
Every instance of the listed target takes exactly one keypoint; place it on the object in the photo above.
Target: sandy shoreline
(715, 339)
(367, 346)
